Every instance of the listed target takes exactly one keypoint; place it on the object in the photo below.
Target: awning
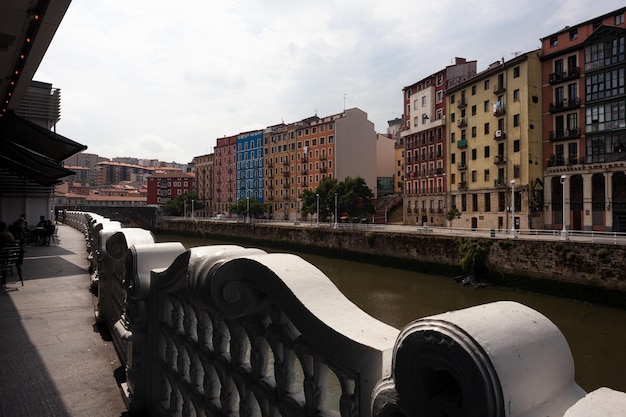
(34, 152)
(38, 139)
(28, 164)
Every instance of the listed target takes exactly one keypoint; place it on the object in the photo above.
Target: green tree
(354, 199)
(241, 208)
(176, 206)
(452, 214)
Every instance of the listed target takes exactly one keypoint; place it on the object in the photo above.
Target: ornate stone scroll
(497, 359)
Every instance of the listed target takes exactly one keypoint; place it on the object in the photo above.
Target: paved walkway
(54, 360)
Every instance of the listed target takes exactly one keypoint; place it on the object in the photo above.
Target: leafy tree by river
(354, 199)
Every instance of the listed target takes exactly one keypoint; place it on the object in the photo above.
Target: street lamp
(335, 210)
(248, 209)
(512, 208)
(192, 214)
(317, 221)
(564, 231)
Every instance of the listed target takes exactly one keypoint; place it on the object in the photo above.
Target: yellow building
(494, 156)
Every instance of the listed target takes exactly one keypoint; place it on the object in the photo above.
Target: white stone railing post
(242, 332)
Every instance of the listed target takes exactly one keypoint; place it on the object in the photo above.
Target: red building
(163, 187)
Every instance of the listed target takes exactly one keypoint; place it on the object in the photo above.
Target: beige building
(203, 170)
(495, 146)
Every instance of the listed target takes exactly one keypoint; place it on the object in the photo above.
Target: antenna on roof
(344, 101)
(516, 54)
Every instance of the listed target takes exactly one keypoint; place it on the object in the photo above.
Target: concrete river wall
(586, 271)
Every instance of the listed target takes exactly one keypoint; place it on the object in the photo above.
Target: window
(423, 101)
(331, 139)
(453, 159)
(452, 98)
(573, 34)
(473, 131)
(474, 110)
(486, 151)
(473, 154)
(487, 202)
(473, 176)
(439, 96)
(486, 129)
(486, 106)
(474, 202)
(486, 175)
(516, 120)
(516, 171)
(619, 19)
(473, 90)
(486, 85)
(554, 41)
(516, 145)
(516, 95)
(516, 72)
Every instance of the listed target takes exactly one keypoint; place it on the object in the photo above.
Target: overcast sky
(164, 79)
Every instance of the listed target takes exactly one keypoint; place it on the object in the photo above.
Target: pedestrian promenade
(54, 359)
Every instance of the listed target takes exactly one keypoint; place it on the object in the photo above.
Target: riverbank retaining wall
(586, 271)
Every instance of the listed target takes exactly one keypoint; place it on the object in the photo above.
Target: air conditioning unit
(498, 133)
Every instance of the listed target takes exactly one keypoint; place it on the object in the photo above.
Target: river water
(596, 334)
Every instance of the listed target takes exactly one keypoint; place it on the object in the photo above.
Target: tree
(241, 207)
(354, 199)
(176, 206)
(452, 214)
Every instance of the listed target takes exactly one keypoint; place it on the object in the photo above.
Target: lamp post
(512, 208)
(192, 213)
(335, 210)
(317, 220)
(248, 209)
(564, 231)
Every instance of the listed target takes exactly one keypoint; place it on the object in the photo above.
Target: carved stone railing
(226, 330)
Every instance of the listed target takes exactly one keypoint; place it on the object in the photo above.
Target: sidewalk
(54, 360)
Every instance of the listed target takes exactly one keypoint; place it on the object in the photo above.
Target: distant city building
(385, 158)
(393, 131)
(424, 133)
(167, 186)
(250, 166)
(108, 172)
(203, 170)
(584, 125)
(224, 174)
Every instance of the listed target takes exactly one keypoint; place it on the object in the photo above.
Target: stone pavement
(54, 359)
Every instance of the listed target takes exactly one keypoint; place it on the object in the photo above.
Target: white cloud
(156, 79)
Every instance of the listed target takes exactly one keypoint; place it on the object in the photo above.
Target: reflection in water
(596, 334)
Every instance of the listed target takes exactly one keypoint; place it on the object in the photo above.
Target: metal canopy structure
(30, 155)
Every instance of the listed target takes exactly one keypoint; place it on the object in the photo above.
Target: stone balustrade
(226, 330)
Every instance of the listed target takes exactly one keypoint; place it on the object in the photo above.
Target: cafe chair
(11, 257)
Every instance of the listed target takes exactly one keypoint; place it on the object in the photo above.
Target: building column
(587, 202)
(608, 190)
(548, 207)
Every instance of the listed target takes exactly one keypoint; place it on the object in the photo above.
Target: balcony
(559, 77)
(461, 144)
(285, 173)
(462, 104)
(286, 185)
(461, 166)
(499, 135)
(499, 160)
(323, 169)
(499, 88)
(498, 182)
(498, 109)
(559, 135)
(462, 122)
(322, 157)
(463, 185)
(286, 162)
(565, 105)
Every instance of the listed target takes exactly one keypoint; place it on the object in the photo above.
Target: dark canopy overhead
(34, 152)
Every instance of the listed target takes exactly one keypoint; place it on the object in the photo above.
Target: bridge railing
(226, 330)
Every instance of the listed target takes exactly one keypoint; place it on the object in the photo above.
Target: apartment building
(584, 125)
(109, 172)
(250, 166)
(393, 130)
(495, 152)
(224, 174)
(425, 147)
(301, 155)
(281, 191)
(203, 171)
(163, 187)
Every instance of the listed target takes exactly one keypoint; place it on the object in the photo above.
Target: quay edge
(590, 272)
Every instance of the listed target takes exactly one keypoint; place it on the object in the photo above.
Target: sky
(163, 80)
